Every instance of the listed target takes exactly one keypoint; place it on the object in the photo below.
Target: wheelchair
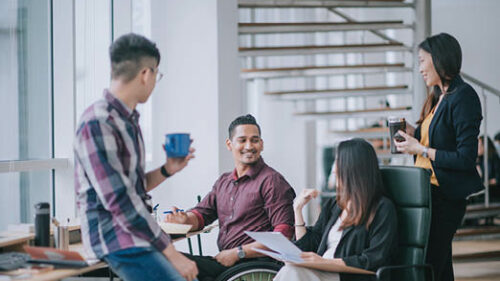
(250, 271)
(254, 270)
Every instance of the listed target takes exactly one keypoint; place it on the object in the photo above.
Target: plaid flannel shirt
(110, 181)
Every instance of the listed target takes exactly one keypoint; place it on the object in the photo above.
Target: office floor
(478, 271)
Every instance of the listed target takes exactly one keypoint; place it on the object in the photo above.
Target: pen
(156, 207)
(170, 212)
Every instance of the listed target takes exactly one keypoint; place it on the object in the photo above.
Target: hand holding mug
(176, 164)
(408, 144)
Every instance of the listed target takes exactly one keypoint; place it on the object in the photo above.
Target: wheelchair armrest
(384, 269)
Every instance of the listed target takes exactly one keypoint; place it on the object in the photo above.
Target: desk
(10, 243)
(196, 233)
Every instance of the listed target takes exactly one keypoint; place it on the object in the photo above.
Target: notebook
(56, 257)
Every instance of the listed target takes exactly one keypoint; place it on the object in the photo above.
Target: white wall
(475, 25)
(199, 94)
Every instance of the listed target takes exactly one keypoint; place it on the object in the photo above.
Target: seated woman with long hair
(358, 228)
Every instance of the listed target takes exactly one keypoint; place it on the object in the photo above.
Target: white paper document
(175, 228)
(284, 250)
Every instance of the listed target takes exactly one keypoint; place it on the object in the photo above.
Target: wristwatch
(164, 172)
(241, 253)
(425, 153)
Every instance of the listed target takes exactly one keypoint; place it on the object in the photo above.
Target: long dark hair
(447, 59)
(359, 181)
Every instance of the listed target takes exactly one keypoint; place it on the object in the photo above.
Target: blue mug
(177, 145)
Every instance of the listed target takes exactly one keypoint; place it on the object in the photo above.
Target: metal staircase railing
(485, 89)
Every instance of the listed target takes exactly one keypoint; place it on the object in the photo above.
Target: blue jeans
(135, 264)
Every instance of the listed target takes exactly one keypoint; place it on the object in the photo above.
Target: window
(25, 81)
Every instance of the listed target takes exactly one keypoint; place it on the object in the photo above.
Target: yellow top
(421, 161)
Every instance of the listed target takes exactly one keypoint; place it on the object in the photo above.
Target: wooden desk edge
(58, 274)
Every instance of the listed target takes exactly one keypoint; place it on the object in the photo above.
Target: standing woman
(445, 141)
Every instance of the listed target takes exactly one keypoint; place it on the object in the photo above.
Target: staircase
(370, 70)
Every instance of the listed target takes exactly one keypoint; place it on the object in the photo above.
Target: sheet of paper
(276, 256)
(175, 228)
(278, 243)
(285, 251)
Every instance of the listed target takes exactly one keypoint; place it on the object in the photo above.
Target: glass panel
(141, 24)
(20, 192)
(25, 94)
(92, 40)
(25, 80)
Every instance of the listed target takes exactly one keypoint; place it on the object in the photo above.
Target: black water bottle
(42, 224)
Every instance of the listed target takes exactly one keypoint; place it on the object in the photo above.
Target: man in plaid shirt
(111, 183)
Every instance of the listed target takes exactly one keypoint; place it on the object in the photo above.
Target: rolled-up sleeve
(206, 210)
(278, 203)
(98, 154)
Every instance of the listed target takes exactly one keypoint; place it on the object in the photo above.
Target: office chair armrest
(385, 269)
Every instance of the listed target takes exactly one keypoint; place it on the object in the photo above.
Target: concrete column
(422, 31)
(200, 93)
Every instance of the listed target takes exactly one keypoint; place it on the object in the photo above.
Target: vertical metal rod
(485, 151)
(199, 236)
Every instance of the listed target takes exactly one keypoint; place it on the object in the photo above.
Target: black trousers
(447, 216)
(209, 269)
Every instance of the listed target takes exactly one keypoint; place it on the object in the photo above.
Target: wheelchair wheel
(251, 271)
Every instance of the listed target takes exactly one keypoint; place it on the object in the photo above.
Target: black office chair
(409, 189)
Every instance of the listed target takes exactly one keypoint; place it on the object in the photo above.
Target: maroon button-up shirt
(260, 200)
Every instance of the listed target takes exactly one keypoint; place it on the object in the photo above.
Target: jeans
(135, 264)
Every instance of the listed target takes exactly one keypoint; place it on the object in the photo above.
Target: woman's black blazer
(359, 247)
(454, 132)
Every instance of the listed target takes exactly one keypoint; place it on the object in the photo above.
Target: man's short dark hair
(497, 136)
(128, 53)
(242, 120)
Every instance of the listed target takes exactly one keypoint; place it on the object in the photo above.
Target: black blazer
(454, 132)
(358, 247)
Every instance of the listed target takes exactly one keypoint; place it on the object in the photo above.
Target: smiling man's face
(246, 144)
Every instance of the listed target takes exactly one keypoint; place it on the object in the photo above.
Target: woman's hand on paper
(176, 216)
(304, 197)
(227, 257)
(311, 257)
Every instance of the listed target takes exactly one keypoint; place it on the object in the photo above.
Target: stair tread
(487, 255)
(481, 208)
(356, 111)
(309, 47)
(259, 24)
(364, 130)
(374, 65)
(313, 4)
(478, 231)
(339, 90)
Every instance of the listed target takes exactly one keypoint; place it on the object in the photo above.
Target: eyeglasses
(159, 75)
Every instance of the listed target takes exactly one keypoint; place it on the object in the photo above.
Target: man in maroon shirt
(254, 197)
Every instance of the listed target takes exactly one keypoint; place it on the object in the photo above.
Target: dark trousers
(447, 216)
(208, 267)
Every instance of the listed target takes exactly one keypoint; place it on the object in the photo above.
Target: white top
(333, 239)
